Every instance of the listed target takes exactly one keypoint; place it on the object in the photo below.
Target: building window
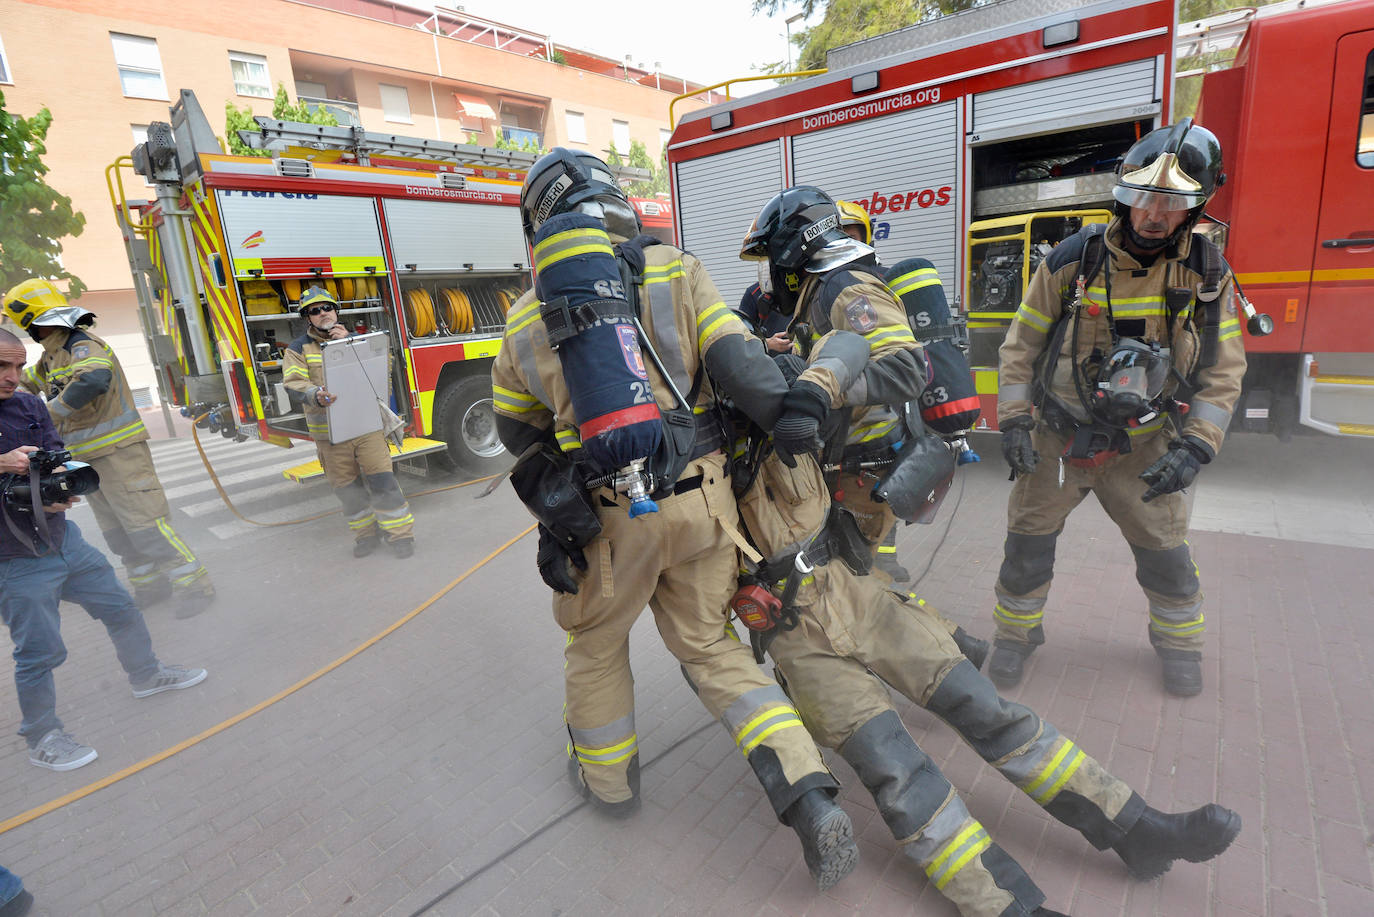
(664, 135)
(395, 103)
(140, 66)
(1364, 151)
(5, 76)
(620, 136)
(577, 127)
(250, 74)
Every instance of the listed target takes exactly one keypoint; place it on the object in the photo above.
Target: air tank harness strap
(562, 321)
(795, 567)
(1209, 294)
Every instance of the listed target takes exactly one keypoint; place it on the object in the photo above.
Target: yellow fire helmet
(40, 304)
(852, 214)
(316, 296)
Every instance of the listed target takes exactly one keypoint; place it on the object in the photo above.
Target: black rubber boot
(146, 596)
(827, 837)
(889, 565)
(1157, 839)
(622, 809)
(365, 546)
(1046, 912)
(1182, 671)
(975, 649)
(1008, 663)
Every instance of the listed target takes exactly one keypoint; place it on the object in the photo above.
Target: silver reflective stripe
(1203, 410)
(738, 713)
(601, 736)
(666, 341)
(127, 424)
(1016, 391)
(938, 831)
(1020, 765)
(524, 355)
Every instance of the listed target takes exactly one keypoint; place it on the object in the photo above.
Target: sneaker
(17, 906)
(365, 546)
(169, 678)
(403, 547)
(58, 751)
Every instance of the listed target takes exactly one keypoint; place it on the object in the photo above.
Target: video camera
(55, 483)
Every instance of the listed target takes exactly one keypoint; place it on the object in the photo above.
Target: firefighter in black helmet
(828, 280)
(1149, 294)
(680, 560)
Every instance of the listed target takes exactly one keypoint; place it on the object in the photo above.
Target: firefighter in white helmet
(359, 469)
(1111, 323)
(93, 408)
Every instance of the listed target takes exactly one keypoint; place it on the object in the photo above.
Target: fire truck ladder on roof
(277, 136)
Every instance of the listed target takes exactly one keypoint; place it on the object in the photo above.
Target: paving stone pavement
(426, 774)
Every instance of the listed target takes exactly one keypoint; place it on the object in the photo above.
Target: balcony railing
(346, 113)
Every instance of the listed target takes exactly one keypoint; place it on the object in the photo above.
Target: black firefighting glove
(1176, 468)
(791, 365)
(1016, 445)
(553, 558)
(798, 429)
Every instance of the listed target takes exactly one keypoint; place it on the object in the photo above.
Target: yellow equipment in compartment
(457, 313)
(260, 298)
(419, 309)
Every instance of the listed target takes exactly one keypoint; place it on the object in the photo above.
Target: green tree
(33, 217)
(236, 119)
(1188, 89)
(658, 177)
(847, 21)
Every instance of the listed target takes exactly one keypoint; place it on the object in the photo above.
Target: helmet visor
(1151, 199)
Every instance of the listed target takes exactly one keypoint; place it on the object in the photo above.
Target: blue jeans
(10, 886)
(30, 590)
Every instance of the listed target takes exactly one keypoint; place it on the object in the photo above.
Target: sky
(704, 41)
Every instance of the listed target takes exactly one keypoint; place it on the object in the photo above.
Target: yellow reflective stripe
(1144, 428)
(879, 336)
(296, 370)
(1050, 768)
(711, 319)
(1028, 316)
(568, 440)
(964, 837)
(314, 358)
(871, 431)
(407, 519)
(570, 243)
(664, 272)
(1139, 312)
(522, 317)
(1230, 328)
(786, 718)
(109, 439)
(174, 540)
(887, 549)
(1183, 628)
(516, 402)
(1053, 789)
(611, 754)
(915, 280)
(1017, 620)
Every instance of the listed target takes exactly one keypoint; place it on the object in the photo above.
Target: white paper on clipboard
(355, 373)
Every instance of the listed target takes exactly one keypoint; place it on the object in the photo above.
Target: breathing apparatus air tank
(592, 328)
(949, 403)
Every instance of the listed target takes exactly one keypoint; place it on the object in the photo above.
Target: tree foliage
(848, 21)
(1187, 90)
(658, 172)
(283, 109)
(33, 217)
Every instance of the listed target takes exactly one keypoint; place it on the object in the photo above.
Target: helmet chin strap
(1149, 245)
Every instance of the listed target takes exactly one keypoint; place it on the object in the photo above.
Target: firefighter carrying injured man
(620, 444)
(833, 633)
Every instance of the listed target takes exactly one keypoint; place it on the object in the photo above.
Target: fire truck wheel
(464, 418)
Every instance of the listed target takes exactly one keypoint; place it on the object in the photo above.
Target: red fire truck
(418, 238)
(980, 139)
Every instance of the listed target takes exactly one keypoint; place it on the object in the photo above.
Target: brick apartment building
(108, 69)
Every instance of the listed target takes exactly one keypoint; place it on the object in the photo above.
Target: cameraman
(42, 564)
